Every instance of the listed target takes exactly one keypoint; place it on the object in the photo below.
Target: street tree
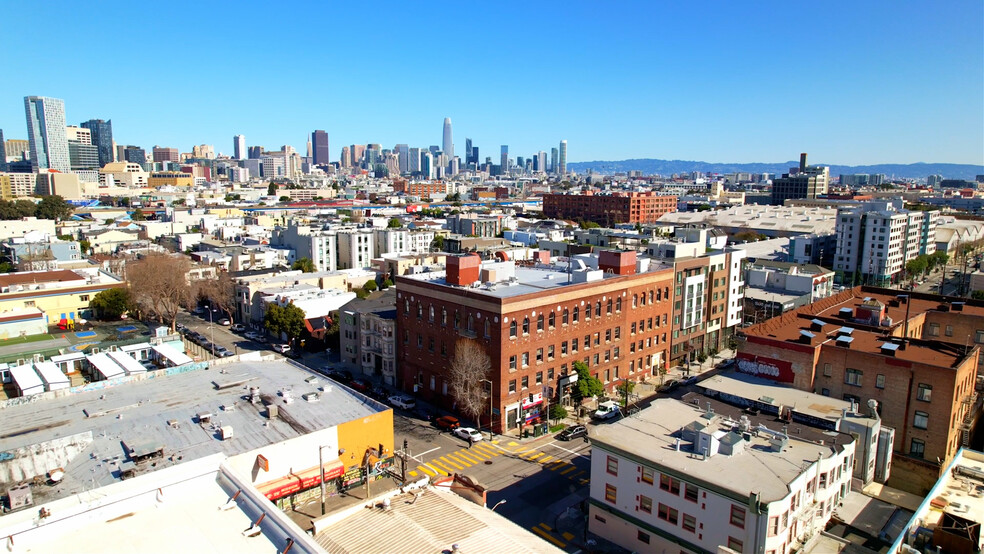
(370, 285)
(588, 386)
(110, 304)
(159, 285)
(394, 223)
(220, 291)
(469, 366)
(284, 320)
(272, 189)
(625, 389)
(304, 264)
(53, 207)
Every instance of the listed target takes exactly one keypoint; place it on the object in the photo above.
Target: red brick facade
(532, 340)
(609, 209)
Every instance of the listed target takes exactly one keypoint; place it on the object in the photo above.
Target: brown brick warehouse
(534, 322)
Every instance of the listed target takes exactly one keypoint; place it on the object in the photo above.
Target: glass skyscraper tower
(102, 136)
(46, 133)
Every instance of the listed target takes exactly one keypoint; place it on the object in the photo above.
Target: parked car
(340, 376)
(669, 385)
(237, 328)
(405, 402)
(360, 385)
(225, 321)
(468, 433)
(378, 392)
(282, 348)
(606, 410)
(447, 422)
(573, 432)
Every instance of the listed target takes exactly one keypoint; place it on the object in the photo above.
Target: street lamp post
(321, 469)
(503, 501)
(489, 381)
(211, 330)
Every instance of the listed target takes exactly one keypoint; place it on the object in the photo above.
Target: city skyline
(888, 83)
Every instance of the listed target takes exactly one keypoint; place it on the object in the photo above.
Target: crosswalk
(483, 451)
(549, 534)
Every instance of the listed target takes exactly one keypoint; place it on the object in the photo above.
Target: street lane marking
(535, 456)
(447, 461)
(544, 459)
(469, 457)
(567, 536)
(549, 537)
(556, 464)
(568, 470)
(513, 443)
(460, 461)
(440, 466)
(574, 452)
(546, 527)
(427, 470)
(412, 473)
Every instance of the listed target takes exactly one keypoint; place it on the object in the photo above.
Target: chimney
(803, 161)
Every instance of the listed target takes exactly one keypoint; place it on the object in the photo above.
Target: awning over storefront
(300, 480)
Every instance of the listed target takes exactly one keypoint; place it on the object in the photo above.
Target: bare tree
(159, 284)
(468, 368)
(220, 291)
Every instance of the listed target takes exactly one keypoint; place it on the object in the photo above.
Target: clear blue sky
(848, 82)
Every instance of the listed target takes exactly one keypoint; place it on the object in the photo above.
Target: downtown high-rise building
(504, 159)
(162, 154)
(468, 153)
(46, 133)
(562, 160)
(541, 162)
(3, 153)
(448, 143)
(403, 155)
(255, 152)
(413, 164)
(319, 147)
(134, 154)
(101, 133)
(238, 147)
(553, 160)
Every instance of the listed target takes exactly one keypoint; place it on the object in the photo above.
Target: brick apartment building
(916, 355)
(609, 209)
(422, 189)
(533, 323)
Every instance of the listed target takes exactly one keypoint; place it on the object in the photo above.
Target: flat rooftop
(868, 338)
(768, 392)
(652, 433)
(776, 218)
(85, 433)
(430, 523)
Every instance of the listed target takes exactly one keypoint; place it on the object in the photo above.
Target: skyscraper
(102, 136)
(553, 160)
(319, 147)
(255, 152)
(448, 141)
(3, 153)
(504, 160)
(468, 152)
(162, 154)
(403, 153)
(134, 154)
(46, 133)
(238, 147)
(541, 161)
(562, 168)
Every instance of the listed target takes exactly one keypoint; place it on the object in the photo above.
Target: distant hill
(650, 166)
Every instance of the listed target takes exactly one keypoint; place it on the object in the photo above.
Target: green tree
(977, 295)
(558, 411)
(394, 223)
(53, 207)
(7, 267)
(284, 199)
(284, 320)
(84, 246)
(272, 189)
(361, 293)
(588, 386)
(387, 283)
(370, 285)
(138, 215)
(588, 224)
(304, 264)
(110, 304)
(916, 266)
(624, 389)
(438, 243)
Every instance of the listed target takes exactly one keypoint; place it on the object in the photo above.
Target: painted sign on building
(769, 368)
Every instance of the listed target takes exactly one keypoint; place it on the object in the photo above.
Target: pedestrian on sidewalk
(471, 441)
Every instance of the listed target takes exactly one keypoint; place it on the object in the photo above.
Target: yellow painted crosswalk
(544, 531)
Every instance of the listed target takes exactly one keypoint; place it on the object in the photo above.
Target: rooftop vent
(816, 325)
(845, 331)
(944, 307)
(889, 348)
(806, 336)
(958, 306)
(902, 298)
(845, 341)
(846, 313)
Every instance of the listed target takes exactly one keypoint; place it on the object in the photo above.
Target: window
(563, 348)
(608, 308)
(512, 329)
(444, 317)
(618, 333)
(563, 318)
(512, 363)
(879, 381)
(668, 514)
(643, 537)
(646, 504)
(949, 331)
(84, 297)
(826, 370)
(917, 448)
(921, 420)
(539, 377)
(689, 523)
(430, 344)
(647, 475)
(925, 392)
(853, 377)
(587, 342)
(550, 374)
(573, 345)
(526, 359)
(738, 516)
(420, 341)
(690, 492)
(608, 335)
(526, 325)
(773, 526)
(488, 328)
(420, 311)
(610, 492)
(735, 544)
(430, 314)
(526, 381)
(577, 314)
(598, 308)
(669, 484)
(979, 337)
(550, 352)
(539, 322)
(552, 320)
(539, 355)
(618, 304)
(934, 329)
(597, 339)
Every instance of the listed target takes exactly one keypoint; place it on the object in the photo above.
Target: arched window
(526, 325)
(652, 295)
(471, 323)
(420, 311)
(512, 329)
(635, 300)
(598, 308)
(457, 320)
(565, 317)
(444, 317)
(406, 308)
(539, 322)
(608, 308)
(430, 314)
(488, 328)
(618, 304)
(552, 320)
(577, 313)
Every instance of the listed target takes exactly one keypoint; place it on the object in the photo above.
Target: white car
(282, 348)
(405, 402)
(606, 410)
(468, 433)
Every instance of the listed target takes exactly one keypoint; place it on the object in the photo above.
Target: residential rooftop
(765, 391)
(85, 433)
(652, 434)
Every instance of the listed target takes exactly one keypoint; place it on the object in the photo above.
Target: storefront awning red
(300, 480)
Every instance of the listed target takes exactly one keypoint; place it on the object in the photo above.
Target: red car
(360, 385)
(447, 422)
